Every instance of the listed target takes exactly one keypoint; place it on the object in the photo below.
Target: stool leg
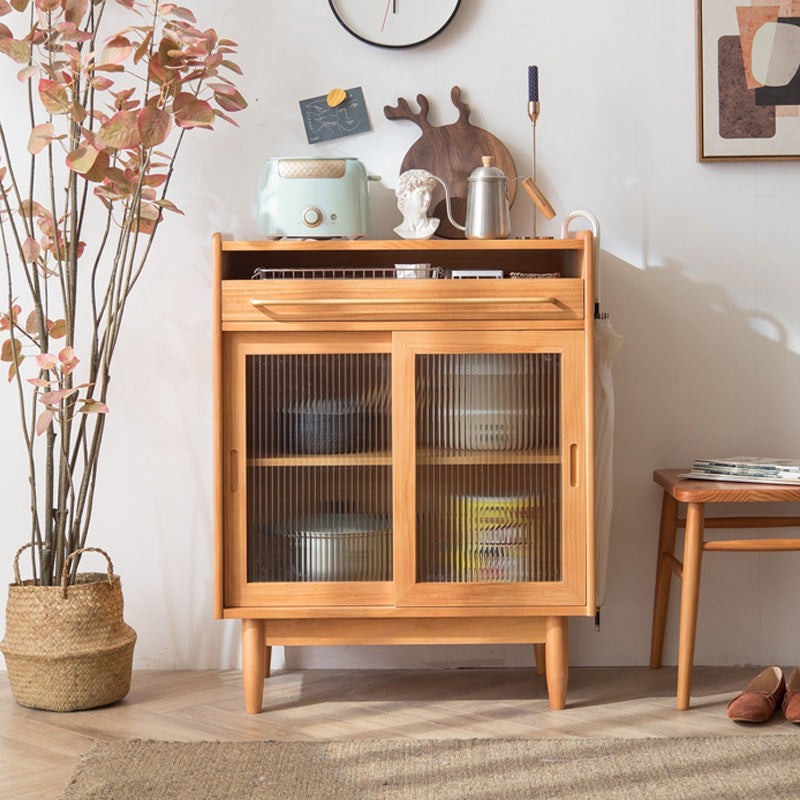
(690, 594)
(666, 544)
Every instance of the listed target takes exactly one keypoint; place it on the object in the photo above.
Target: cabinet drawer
(290, 301)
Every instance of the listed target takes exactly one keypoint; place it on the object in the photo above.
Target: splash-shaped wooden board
(451, 152)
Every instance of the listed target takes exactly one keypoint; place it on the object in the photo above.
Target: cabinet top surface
(433, 245)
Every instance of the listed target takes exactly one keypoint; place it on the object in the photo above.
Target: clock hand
(392, 4)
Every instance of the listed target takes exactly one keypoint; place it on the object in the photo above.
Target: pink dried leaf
(82, 159)
(55, 398)
(155, 180)
(230, 102)
(43, 421)
(109, 68)
(168, 205)
(174, 10)
(32, 324)
(92, 407)
(40, 137)
(74, 10)
(16, 50)
(46, 361)
(101, 83)
(121, 131)
(222, 88)
(149, 211)
(5, 8)
(10, 350)
(26, 73)
(154, 126)
(222, 115)
(69, 32)
(54, 97)
(143, 47)
(30, 250)
(30, 208)
(191, 112)
(40, 383)
(58, 330)
(96, 175)
(68, 360)
(117, 50)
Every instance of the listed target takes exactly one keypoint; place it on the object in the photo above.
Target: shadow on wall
(697, 372)
(698, 375)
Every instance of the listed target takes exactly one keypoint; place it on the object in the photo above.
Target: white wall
(700, 273)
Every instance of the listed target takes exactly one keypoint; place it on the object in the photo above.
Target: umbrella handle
(596, 250)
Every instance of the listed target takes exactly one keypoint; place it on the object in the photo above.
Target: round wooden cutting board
(451, 152)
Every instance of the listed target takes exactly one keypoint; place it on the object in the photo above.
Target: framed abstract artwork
(748, 80)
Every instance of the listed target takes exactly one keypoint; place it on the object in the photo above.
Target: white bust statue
(413, 192)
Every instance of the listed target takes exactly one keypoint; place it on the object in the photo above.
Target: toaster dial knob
(312, 216)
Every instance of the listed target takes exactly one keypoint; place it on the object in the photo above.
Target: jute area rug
(757, 767)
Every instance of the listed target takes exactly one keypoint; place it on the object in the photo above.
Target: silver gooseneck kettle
(488, 214)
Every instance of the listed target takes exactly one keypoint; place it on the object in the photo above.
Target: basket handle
(65, 569)
(17, 578)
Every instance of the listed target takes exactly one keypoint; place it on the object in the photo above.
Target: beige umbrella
(606, 346)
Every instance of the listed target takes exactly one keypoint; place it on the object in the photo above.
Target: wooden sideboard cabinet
(403, 459)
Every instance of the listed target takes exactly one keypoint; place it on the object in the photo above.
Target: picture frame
(748, 80)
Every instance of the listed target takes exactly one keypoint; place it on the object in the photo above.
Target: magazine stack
(748, 469)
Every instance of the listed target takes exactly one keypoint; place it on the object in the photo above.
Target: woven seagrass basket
(68, 648)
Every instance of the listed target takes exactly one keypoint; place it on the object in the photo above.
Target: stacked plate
(494, 538)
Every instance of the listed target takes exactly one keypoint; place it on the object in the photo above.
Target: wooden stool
(696, 493)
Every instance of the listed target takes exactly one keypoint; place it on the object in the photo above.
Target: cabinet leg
(267, 660)
(539, 657)
(253, 663)
(556, 661)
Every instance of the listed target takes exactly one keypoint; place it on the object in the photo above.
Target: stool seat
(688, 490)
(696, 494)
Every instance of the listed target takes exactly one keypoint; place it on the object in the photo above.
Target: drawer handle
(388, 301)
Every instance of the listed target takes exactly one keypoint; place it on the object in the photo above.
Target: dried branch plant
(80, 204)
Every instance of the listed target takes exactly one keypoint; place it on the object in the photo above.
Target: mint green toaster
(314, 198)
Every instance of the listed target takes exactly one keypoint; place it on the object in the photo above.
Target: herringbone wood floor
(39, 750)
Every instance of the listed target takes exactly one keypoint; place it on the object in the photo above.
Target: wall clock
(394, 23)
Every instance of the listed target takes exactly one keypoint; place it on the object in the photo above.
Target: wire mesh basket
(347, 273)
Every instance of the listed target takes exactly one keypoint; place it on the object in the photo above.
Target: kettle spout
(447, 205)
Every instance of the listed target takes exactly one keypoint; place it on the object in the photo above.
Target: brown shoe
(760, 698)
(791, 700)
